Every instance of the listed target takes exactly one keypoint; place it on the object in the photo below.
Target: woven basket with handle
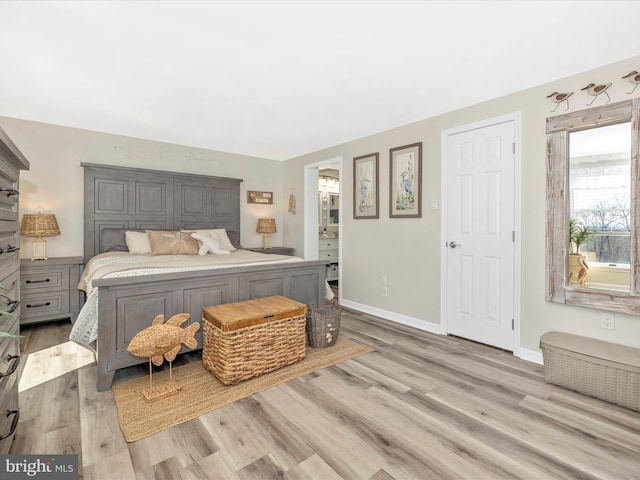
(323, 325)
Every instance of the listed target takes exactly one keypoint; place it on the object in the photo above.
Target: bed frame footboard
(128, 305)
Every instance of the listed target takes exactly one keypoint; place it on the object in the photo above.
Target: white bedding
(123, 264)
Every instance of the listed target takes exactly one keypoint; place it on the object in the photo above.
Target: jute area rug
(202, 392)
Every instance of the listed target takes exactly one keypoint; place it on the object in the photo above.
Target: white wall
(55, 181)
(407, 251)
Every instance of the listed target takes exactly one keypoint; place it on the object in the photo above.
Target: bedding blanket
(124, 264)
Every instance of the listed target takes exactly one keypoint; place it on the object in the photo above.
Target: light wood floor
(420, 406)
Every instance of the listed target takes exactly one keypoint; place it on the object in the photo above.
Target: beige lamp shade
(265, 227)
(39, 225)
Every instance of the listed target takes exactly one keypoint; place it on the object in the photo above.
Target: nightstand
(275, 250)
(49, 289)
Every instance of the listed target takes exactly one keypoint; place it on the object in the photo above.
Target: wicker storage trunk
(246, 339)
(600, 369)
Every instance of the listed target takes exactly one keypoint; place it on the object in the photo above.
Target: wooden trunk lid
(233, 316)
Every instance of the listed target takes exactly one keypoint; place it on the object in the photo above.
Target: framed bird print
(365, 186)
(405, 178)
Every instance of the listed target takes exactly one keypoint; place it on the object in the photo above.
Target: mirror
(599, 207)
(334, 210)
(329, 198)
(592, 233)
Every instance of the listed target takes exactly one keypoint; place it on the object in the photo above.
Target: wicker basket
(600, 369)
(323, 325)
(246, 339)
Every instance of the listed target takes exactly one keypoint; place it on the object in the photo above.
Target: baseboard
(394, 317)
(534, 356)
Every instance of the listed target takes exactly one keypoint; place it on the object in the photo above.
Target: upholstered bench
(604, 370)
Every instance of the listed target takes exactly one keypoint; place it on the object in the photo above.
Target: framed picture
(405, 178)
(260, 197)
(365, 186)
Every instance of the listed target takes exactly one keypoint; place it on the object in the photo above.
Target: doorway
(324, 193)
(480, 229)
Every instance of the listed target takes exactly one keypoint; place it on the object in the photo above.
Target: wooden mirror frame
(557, 238)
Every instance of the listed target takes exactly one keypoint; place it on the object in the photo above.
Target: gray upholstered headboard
(135, 198)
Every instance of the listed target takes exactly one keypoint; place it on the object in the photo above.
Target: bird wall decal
(633, 77)
(596, 90)
(559, 98)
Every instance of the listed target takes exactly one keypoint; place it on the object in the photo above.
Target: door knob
(454, 244)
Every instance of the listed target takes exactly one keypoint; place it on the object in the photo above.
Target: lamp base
(266, 241)
(39, 249)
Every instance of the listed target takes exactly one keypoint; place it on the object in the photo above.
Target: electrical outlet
(383, 290)
(383, 280)
(607, 320)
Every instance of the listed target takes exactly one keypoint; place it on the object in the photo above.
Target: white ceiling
(278, 79)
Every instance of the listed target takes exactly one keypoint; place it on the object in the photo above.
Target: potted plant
(578, 235)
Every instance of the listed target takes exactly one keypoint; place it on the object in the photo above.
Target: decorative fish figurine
(164, 339)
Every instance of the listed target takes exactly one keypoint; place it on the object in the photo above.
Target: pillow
(221, 233)
(224, 239)
(172, 243)
(137, 242)
(113, 240)
(209, 244)
(234, 238)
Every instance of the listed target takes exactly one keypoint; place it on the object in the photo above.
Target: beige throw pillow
(172, 243)
(137, 242)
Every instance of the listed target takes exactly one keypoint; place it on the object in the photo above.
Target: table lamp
(265, 227)
(39, 225)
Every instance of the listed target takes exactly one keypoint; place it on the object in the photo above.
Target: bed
(121, 199)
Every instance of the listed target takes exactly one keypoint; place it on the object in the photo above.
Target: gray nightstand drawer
(53, 279)
(44, 304)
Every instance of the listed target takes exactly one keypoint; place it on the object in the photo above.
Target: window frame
(558, 129)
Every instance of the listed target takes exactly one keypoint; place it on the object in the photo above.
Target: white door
(480, 234)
